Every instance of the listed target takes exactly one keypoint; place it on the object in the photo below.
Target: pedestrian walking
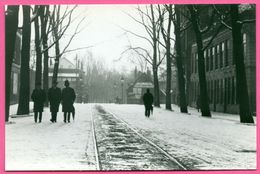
(38, 97)
(54, 95)
(198, 103)
(148, 101)
(68, 97)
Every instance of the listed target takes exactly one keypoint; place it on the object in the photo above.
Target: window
(228, 90)
(208, 58)
(192, 63)
(212, 58)
(216, 56)
(245, 44)
(226, 52)
(232, 90)
(225, 91)
(15, 83)
(215, 92)
(222, 88)
(196, 62)
(222, 55)
(212, 91)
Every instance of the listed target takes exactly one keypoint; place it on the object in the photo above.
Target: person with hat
(38, 97)
(54, 96)
(68, 97)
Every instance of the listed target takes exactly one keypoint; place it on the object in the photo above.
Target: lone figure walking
(148, 101)
(38, 97)
(54, 95)
(68, 97)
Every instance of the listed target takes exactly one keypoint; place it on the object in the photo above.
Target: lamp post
(122, 84)
(115, 97)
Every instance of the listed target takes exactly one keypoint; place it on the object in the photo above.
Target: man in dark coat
(68, 97)
(38, 97)
(148, 101)
(54, 95)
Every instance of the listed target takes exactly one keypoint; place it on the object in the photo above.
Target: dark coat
(148, 99)
(54, 95)
(38, 97)
(68, 97)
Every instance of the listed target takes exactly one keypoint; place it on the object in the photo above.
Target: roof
(64, 63)
(143, 85)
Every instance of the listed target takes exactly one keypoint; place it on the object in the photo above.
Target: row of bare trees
(50, 25)
(165, 42)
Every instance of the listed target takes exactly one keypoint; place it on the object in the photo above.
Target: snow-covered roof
(143, 85)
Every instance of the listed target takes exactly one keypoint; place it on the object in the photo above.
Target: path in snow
(220, 142)
(120, 148)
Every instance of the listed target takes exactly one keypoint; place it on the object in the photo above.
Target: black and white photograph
(130, 87)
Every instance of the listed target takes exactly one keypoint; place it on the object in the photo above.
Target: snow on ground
(50, 146)
(220, 142)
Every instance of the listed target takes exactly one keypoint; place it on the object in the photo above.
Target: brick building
(220, 69)
(15, 71)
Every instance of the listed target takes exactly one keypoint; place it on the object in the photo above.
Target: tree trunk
(168, 77)
(44, 18)
(204, 101)
(38, 73)
(11, 25)
(24, 97)
(156, 87)
(56, 63)
(57, 48)
(238, 53)
(167, 39)
(180, 71)
(155, 67)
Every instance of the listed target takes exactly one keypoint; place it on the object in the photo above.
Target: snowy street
(195, 142)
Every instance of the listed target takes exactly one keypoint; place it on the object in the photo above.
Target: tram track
(118, 146)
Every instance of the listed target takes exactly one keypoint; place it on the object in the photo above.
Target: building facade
(219, 63)
(73, 73)
(220, 71)
(15, 71)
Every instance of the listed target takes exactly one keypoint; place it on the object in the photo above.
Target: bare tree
(179, 57)
(231, 20)
(151, 23)
(24, 97)
(11, 25)
(166, 34)
(38, 72)
(238, 53)
(44, 17)
(200, 29)
(58, 30)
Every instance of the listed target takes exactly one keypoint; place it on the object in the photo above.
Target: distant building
(137, 89)
(72, 73)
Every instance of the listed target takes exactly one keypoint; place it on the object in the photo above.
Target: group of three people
(66, 97)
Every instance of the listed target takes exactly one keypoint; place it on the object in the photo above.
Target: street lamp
(115, 97)
(122, 84)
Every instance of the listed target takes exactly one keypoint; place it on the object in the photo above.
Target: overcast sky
(103, 30)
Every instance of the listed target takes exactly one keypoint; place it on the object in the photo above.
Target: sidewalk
(197, 142)
(50, 146)
(14, 107)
